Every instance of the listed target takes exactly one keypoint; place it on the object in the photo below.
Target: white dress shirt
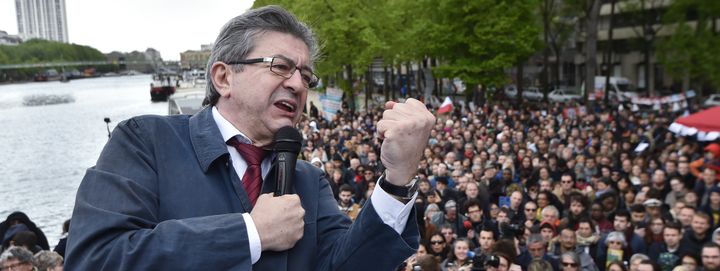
(392, 212)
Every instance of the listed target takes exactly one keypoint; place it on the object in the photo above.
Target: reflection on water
(45, 149)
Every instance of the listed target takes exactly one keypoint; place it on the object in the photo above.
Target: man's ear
(220, 75)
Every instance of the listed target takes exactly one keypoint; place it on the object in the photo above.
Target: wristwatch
(404, 192)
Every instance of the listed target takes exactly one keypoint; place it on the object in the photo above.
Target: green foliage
(480, 39)
(693, 49)
(475, 40)
(38, 51)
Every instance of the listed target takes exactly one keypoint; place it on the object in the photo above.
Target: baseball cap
(713, 148)
(652, 203)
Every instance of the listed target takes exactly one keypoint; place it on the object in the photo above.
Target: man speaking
(195, 193)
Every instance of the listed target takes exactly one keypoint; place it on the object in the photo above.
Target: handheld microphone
(287, 145)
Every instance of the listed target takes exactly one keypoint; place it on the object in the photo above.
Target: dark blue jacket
(164, 196)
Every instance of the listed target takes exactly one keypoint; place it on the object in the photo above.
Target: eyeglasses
(567, 264)
(284, 67)
(530, 210)
(436, 242)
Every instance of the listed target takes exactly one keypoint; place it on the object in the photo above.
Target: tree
(479, 40)
(691, 52)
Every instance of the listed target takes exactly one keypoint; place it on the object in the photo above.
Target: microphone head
(287, 139)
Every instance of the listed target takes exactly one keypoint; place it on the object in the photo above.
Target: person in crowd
(447, 231)
(710, 255)
(689, 262)
(48, 261)
(17, 222)
(539, 265)
(569, 261)
(455, 220)
(699, 234)
(346, 204)
(615, 249)
(716, 236)
(433, 219)
(616, 266)
(632, 242)
(703, 188)
(710, 160)
(577, 209)
(438, 247)
(476, 218)
(568, 243)
(486, 239)
(536, 250)
(530, 214)
(685, 216)
(458, 259)
(182, 180)
(636, 259)
(17, 258)
(26, 239)
(587, 236)
(667, 253)
(60, 247)
(647, 265)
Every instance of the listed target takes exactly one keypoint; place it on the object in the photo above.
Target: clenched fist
(406, 128)
(279, 221)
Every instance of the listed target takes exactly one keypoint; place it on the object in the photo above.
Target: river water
(45, 149)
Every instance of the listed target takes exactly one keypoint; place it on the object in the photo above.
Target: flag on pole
(446, 106)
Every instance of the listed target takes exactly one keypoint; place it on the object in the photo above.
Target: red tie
(252, 180)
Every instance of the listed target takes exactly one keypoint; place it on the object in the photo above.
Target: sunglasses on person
(567, 264)
(436, 242)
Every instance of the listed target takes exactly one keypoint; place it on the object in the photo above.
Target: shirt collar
(227, 130)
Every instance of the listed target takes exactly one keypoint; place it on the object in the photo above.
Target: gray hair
(535, 238)
(17, 253)
(237, 39)
(45, 260)
(616, 236)
(572, 255)
(639, 256)
(549, 209)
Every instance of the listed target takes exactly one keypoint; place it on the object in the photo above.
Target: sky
(169, 26)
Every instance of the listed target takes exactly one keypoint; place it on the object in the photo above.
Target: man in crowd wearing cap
(652, 208)
(711, 161)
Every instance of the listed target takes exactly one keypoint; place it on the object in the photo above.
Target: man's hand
(406, 128)
(279, 221)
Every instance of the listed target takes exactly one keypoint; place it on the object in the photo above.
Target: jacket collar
(206, 138)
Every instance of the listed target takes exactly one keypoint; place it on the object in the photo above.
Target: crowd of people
(557, 187)
(541, 187)
(25, 247)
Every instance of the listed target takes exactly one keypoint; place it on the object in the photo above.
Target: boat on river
(162, 87)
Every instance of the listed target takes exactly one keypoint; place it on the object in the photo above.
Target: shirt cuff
(393, 212)
(253, 238)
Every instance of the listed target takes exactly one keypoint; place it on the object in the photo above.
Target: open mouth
(286, 106)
